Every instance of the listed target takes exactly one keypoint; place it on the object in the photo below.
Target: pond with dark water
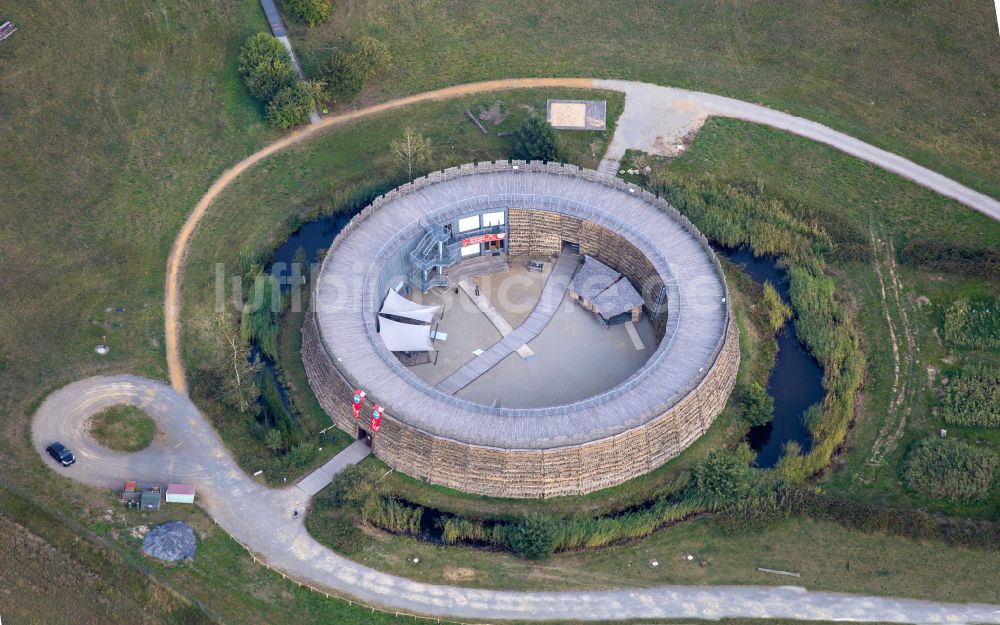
(796, 382)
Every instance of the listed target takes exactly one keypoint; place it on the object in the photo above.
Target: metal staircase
(432, 254)
(437, 251)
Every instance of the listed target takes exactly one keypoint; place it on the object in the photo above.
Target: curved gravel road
(187, 449)
(654, 116)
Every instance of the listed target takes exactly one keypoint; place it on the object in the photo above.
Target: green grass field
(913, 77)
(123, 427)
(116, 118)
(826, 555)
(851, 200)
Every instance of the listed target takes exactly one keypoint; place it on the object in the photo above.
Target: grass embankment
(828, 556)
(864, 210)
(123, 427)
(814, 178)
(342, 171)
(914, 78)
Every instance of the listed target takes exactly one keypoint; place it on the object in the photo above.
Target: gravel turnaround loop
(262, 518)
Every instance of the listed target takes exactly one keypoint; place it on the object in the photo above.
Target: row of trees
(267, 71)
(266, 67)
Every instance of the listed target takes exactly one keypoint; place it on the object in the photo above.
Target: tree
(371, 56)
(758, 406)
(721, 479)
(240, 391)
(291, 106)
(274, 441)
(342, 77)
(355, 487)
(266, 66)
(311, 12)
(533, 537)
(535, 140)
(411, 152)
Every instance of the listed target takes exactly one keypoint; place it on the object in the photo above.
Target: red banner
(359, 396)
(483, 238)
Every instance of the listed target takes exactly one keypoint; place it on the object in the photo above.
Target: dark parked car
(62, 455)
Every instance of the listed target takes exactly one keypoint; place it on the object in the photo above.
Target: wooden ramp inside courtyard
(548, 304)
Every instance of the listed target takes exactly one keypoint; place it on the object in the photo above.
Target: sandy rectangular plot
(577, 114)
(568, 114)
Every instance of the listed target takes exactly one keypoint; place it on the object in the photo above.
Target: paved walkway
(545, 309)
(320, 478)
(485, 306)
(279, 32)
(262, 518)
(656, 117)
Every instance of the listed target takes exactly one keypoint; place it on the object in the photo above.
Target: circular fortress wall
(573, 448)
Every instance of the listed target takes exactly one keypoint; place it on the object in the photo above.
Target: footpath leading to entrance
(320, 478)
(263, 520)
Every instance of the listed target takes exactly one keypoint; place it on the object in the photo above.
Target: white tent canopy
(396, 304)
(405, 337)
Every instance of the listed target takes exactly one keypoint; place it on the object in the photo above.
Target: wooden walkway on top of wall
(638, 226)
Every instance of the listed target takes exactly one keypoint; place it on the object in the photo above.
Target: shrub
(371, 57)
(275, 411)
(758, 510)
(460, 530)
(258, 322)
(778, 311)
(721, 479)
(973, 324)
(336, 530)
(355, 487)
(535, 140)
(972, 398)
(395, 516)
(758, 406)
(311, 12)
(950, 257)
(946, 468)
(342, 77)
(301, 455)
(266, 66)
(592, 533)
(291, 106)
(534, 537)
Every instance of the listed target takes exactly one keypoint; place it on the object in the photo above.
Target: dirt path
(653, 116)
(904, 385)
(171, 305)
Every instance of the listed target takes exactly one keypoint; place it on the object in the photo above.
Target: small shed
(605, 292)
(590, 281)
(180, 493)
(150, 501)
(619, 303)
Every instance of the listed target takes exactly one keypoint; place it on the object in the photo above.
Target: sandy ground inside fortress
(575, 355)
